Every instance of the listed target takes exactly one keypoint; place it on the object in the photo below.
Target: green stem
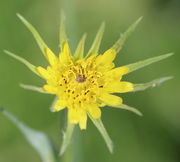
(67, 157)
(77, 150)
(73, 153)
(66, 138)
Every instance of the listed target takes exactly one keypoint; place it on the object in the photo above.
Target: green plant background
(153, 137)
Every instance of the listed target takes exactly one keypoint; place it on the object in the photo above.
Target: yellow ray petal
(120, 87)
(43, 72)
(109, 99)
(52, 58)
(73, 116)
(50, 89)
(64, 56)
(116, 74)
(83, 120)
(39, 40)
(94, 111)
(106, 58)
(97, 41)
(79, 53)
(60, 105)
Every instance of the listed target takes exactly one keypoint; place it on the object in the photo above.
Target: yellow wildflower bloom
(84, 85)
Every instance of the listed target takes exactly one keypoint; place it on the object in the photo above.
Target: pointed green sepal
(66, 138)
(38, 140)
(79, 52)
(99, 125)
(120, 42)
(22, 60)
(140, 64)
(42, 45)
(32, 88)
(62, 31)
(97, 41)
(129, 108)
(53, 104)
(152, 84)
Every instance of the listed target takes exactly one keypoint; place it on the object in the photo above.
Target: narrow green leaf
(66, 138)
(99, 124)
(97, 41)
(32, 88)
(140, 64)
(62, 31)
(152, 84)
(39, 141)
(79, 53)
(22, 60)
(126, 107)
(120, 42)
(39, 40)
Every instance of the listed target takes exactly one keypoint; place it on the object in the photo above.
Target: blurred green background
(153, 137)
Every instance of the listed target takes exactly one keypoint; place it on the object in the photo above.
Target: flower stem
(74, 152)
(77, 150)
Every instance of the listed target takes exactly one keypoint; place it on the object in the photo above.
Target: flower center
(80, 78)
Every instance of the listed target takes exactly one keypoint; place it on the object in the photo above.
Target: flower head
(85, 84)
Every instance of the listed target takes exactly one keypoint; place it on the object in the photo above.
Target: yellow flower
(84, 85)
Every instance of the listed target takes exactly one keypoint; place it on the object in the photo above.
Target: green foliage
(38, 140)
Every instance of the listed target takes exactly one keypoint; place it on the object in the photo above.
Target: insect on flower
(84, 84)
